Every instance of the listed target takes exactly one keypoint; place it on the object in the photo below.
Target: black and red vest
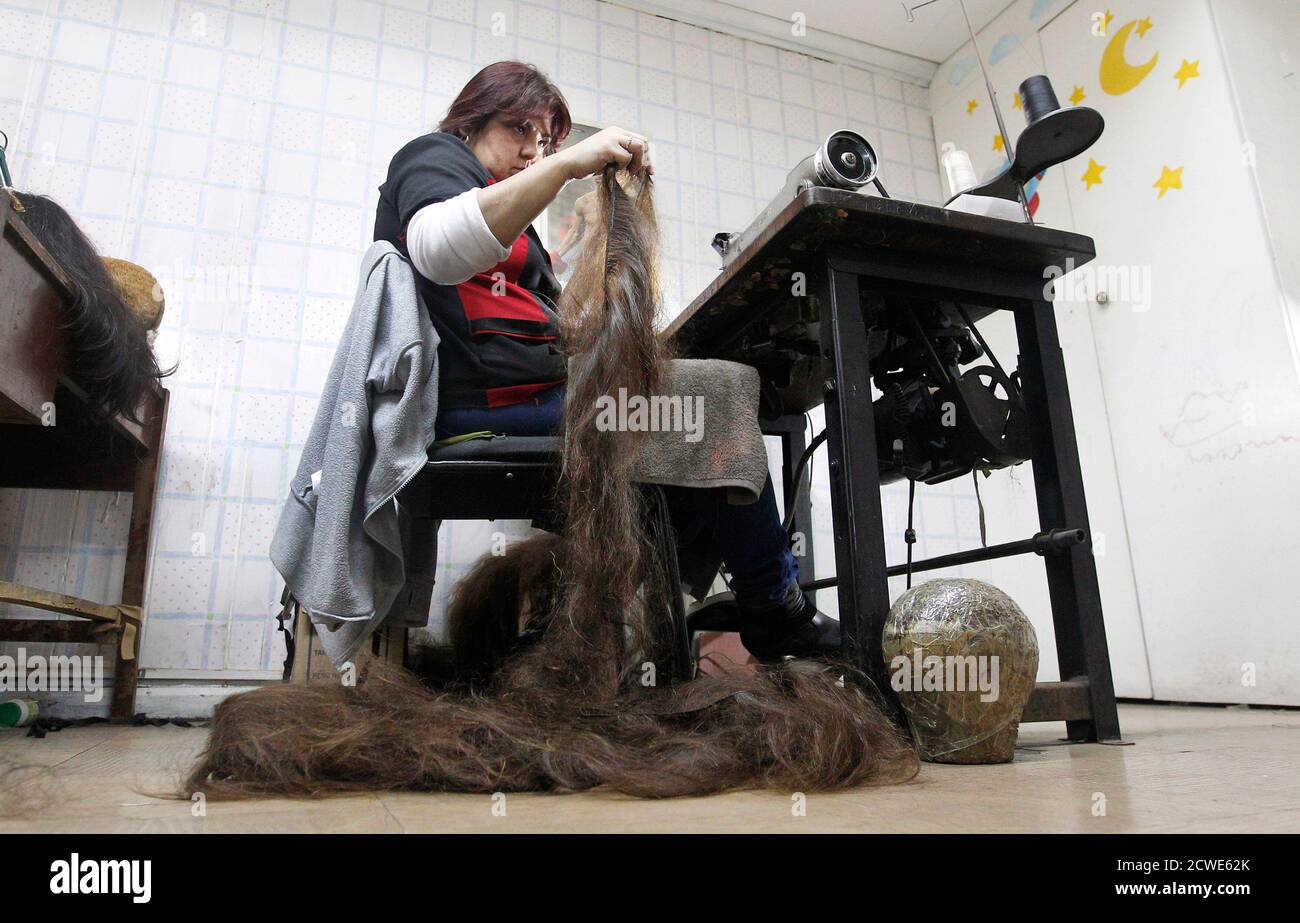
(498, 330)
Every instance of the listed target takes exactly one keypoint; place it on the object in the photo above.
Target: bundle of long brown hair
(108, 350)
(571, 710)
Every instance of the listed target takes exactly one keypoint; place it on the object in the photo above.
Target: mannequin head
(963, 658)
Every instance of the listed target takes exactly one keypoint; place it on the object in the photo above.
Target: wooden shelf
(82, 450)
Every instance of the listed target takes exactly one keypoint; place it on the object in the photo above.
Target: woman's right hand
(610, 145)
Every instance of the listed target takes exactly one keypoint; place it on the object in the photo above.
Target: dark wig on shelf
(108, 349)
(544, 689)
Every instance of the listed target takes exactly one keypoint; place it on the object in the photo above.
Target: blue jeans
(753, 543)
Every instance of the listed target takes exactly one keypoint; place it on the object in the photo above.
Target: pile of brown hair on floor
(566, 711)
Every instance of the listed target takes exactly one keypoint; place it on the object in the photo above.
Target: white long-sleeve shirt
(450, 241)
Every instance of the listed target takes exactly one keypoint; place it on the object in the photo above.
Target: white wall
(1260, 42)
(234, 148)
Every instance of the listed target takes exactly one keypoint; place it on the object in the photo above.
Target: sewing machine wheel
(995, 427)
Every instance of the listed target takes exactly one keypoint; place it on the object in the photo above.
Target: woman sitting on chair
(459, 203)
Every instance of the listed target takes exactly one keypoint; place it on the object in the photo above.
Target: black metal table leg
(672, 637)
(1058, 482)
(790, 428)
(855, 478)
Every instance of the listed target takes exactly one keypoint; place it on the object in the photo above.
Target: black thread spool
(1038, 98)
(1053, 134)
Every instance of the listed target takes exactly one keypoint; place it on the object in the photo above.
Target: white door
(1198, 363)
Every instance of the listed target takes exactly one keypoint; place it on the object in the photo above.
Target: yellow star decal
(1169, 179)
(1015, 101)
(997, 142)
(1105, 27)
(1187, 72)
(1092, 176)
(1142, 26)
(1078, 95)
(970, 106)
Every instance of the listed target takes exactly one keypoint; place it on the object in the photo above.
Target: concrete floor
(1190, 770)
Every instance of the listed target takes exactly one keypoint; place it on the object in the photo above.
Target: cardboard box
(312, 666)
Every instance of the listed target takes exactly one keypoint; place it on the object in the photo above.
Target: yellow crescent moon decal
(1117, 75)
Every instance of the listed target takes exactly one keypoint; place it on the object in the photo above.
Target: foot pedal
(718, 612)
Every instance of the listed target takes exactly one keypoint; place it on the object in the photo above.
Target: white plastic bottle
(16, 713)
(958, 169)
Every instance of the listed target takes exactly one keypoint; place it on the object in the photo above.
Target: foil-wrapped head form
(962, 658)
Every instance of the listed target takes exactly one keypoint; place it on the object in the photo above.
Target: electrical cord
(984, 533)
(797, 481)
(5, 179)
(910, 535)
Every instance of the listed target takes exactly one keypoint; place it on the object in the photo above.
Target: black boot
(795, 628)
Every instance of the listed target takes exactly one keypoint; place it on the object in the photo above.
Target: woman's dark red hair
(513, 89)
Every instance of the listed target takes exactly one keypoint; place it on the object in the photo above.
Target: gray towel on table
(719, 443)
(722, 449)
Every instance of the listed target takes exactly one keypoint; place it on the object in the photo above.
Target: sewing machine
(835, 289)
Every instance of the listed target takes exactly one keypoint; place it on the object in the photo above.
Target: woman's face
(506, 145)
